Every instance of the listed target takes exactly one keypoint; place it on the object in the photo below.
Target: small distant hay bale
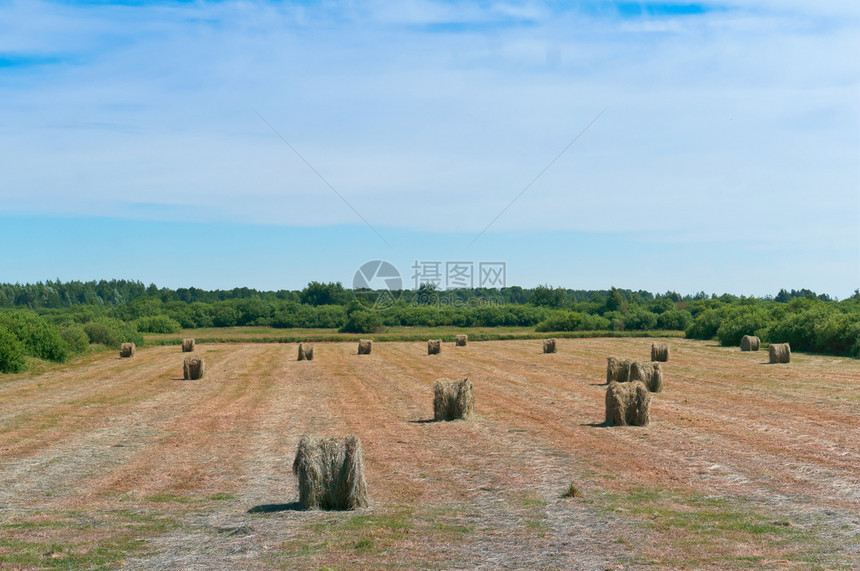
(461, 340)
(750, 343)
(618, 369)
(365, 346)
(306, 352)
(187, 345)
(779, 353)
(127, 350)
(193, 368)
(627, 404)
(549, 346)
(659, 352)
(331, 473)
(453, 399)
(434, 346)
(651, 374)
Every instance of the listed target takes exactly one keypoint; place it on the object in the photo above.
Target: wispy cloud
(723, 117)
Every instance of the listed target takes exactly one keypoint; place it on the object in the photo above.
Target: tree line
(57, 320)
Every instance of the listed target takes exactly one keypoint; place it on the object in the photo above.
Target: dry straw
(453, 399)
(750, 343)
(193, 368)
(434, 346)
(187, 345)
(306, 352)
(549, 345)
(461, 340)
(649, 373)
(365, 346)
(627, 404)
(331, 473)
(127, 350)
(618, 369)
(779, 353)
(659, 352)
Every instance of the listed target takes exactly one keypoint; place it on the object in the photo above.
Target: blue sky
(726, 158)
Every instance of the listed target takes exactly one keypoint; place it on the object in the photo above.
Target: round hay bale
(434, 346)
(193, 368)
(750, 343)
(549, 346)
(187, 345)
(331, 473)
(627, 404)
(365, 346)
(779, 353)
(618, 370)
(651, 374)
(659, 352)
(126, 350)
(453, 399)
(306, 352)
(461, 340)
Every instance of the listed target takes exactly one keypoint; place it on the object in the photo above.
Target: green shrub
(158, 324)
(675, 319)
(11, 352)
(573, 321)
(39, 338)
(740, 321)
(112, 332)
(705, 325)
(75, 337)
(640, 319)
(362, 321)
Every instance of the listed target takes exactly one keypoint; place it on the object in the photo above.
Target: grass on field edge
(389, 337)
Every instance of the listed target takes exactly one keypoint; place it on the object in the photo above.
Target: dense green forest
(57, 320)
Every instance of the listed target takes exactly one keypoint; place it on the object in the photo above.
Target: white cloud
(739, 122)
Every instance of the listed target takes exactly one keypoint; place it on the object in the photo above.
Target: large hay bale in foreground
(365, 346)
(651, 374)
(779, 353)
(618, 369)
(461, 340)
(453, 399)
(434, 346)
(127, 350)
(187, 345)
(549, 346)
(331, 473)
(193, 368)
(627, 404)
(306, 352)
(659, 352)
(750, 343)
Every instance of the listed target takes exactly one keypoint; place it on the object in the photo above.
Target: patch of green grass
(572, 491)
(456, 529)
(533, 502)
(222, 496)
(72, 540)
(702, 526)
(348, 532)
(169, 497)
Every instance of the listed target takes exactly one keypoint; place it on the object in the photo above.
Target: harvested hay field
(110, 463)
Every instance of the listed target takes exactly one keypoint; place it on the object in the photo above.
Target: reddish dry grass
(766, 442)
